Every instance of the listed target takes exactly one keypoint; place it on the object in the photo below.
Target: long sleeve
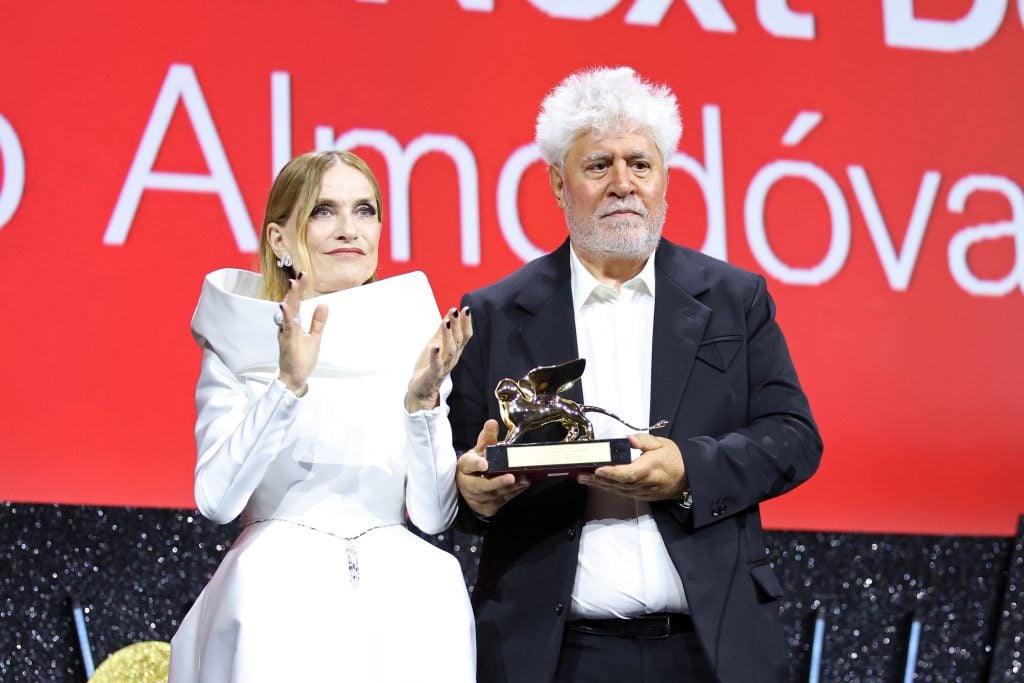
(431, 497)
(236, 438)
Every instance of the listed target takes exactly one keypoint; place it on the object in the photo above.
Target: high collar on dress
(369, 328)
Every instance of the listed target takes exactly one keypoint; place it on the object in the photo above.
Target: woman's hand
(298, 349)
(437, 360)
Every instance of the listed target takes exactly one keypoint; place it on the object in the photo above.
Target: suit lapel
(549, 329)
(679, 322)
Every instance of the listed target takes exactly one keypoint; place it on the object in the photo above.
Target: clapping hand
(439, 356)
(298, 349)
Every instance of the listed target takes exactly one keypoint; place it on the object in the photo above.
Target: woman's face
(342, 232)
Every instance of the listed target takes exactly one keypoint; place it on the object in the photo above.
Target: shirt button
(558, 608)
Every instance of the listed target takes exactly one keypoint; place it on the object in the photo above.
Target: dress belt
(646, 626)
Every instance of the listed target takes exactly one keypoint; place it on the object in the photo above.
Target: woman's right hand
(298, 349)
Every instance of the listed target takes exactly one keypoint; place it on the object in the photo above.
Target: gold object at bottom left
(145, 662)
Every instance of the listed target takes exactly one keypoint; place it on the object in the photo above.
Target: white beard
(620, 237)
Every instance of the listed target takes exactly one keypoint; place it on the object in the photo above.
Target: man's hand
(658, 474)
(485, 495)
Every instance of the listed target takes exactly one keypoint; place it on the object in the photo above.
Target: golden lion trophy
(533, 402)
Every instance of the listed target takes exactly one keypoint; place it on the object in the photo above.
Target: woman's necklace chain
(350, 547)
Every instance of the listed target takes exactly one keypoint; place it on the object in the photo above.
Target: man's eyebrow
(595, 156)
(640, 154)
(604, 156)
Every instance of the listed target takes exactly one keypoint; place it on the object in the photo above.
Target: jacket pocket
(719, 352)
(767, 583)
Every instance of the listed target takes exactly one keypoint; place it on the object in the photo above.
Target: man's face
(612, 189)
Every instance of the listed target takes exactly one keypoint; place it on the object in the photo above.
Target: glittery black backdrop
(136, 572)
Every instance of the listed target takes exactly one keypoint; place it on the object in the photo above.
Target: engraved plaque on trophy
(533, 402)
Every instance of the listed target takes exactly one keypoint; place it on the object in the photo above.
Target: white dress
(293, 599)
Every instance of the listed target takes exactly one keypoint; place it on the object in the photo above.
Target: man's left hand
(658, 474)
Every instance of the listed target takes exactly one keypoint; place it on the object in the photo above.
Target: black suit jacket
(722, 375)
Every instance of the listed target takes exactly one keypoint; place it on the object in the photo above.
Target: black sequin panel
(1008, 660)
(134, 571)
(955, 601)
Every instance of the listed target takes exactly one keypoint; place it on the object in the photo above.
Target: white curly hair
(602, 100)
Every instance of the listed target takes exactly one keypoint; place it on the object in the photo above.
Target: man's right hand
(485, 495)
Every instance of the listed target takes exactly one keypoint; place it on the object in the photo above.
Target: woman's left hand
(437, 360)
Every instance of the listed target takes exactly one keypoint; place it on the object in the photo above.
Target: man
(655, 570)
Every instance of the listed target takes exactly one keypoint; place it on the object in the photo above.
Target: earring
(285, 261)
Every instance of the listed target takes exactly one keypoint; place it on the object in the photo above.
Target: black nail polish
(448, 324)
(467, 311)
(456, 313)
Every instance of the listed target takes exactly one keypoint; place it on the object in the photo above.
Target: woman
(303, 433)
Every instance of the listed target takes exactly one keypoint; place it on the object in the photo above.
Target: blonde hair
(295, 190)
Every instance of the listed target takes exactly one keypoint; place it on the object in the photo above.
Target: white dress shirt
(624, 568)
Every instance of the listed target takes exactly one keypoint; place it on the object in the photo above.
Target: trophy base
(559, 459)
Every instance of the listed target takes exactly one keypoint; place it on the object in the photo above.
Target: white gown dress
(325, 583)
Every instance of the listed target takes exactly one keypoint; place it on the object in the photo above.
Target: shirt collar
(585, 286)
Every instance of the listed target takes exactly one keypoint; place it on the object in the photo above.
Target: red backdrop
(866, 157)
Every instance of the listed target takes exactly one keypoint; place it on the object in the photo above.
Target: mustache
(614, 206)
